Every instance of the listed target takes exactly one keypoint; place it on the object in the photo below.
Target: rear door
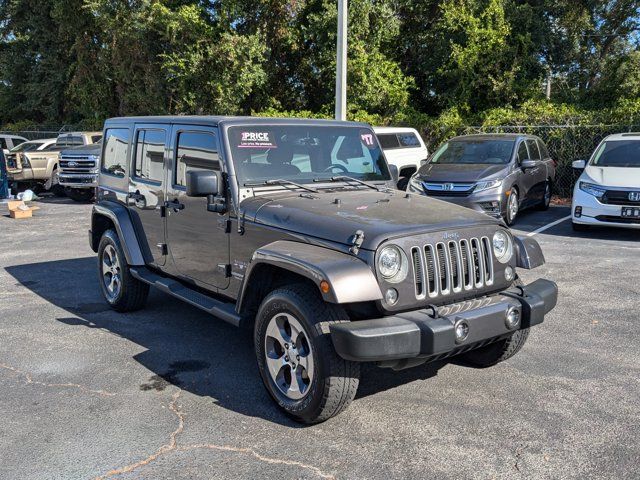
(147, 186)
(198, 240)
(538, 174)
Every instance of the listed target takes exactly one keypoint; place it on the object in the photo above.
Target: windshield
(26, 147)
(482, 151)
(624, 153)
(305, 154)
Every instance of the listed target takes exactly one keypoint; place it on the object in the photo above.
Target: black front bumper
(421, 334)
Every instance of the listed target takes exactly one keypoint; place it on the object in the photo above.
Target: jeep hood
(336, 216)
(458, 173)
(614, 176)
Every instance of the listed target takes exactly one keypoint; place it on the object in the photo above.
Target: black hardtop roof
(493, 136)
(214, 120)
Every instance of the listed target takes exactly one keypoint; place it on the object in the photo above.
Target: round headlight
(392, 264)
(502, 246)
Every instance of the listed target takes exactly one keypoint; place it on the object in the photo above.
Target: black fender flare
(528, 253)
(119, 216)
(350, 279)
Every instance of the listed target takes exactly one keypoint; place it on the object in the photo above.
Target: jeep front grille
(451, 267)
(76, 164)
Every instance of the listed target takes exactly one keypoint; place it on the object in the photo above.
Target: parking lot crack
(29, 380)
(172, 445)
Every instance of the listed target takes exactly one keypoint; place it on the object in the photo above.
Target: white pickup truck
(403, 148)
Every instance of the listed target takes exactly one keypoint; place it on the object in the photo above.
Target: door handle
(175, 205)
(136, 197)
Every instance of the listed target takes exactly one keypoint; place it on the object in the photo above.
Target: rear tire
(121, 290)
(497, 352)
(318, 384)
(546, 196)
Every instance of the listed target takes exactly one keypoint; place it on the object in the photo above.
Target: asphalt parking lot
(169, 392)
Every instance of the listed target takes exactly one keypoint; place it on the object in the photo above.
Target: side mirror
(528, 164)
(424, 161)
(202, 183)
(579, 164)
(395, 173)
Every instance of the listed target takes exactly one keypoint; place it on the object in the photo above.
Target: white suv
(608, 191)
(403, 148)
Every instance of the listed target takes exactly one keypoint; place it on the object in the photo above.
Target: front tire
(513, 207)
(121, 290)
(498, 351)
(298, 364)
(80, 194)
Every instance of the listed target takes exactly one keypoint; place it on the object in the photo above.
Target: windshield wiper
(345, 178)
(280, 181)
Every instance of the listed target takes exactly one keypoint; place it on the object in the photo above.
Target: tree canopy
(71, 61)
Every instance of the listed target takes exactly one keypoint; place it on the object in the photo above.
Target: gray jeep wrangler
(291, 228)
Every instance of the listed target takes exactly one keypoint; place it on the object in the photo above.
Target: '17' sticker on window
(367, 139)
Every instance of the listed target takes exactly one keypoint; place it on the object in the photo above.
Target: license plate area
(631, 212)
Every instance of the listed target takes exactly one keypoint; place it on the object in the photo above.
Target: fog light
(509, 274)
(578, 212)
(461, 330)
(512, 319)
(391, 296)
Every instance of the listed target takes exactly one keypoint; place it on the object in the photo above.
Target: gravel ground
(170, 392)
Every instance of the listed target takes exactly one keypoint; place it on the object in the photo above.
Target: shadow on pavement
(183, 346)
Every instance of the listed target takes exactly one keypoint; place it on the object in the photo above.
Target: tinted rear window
(388, 141)
(69, 141)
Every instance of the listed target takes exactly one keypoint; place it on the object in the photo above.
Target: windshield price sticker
(368, 139)
(256, 140)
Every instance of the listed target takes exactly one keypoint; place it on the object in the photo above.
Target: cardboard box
(18, 209)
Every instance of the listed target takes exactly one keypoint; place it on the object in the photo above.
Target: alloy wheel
(111, 272)
(288, 356)
(512, 206)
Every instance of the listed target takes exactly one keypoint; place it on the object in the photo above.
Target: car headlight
(415, 183)
(392, 264)
(502, 246)
(592, 189)
(93, 158)
(480, 186)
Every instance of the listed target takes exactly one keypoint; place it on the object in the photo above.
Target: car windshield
(482, 151)
(625, 153)
(305, 154)
(26, 147)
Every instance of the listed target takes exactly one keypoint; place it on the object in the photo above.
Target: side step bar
(217, 308)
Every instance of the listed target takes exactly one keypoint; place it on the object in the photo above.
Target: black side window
(533, 149)
(522, 152)
(3, 143)
(116, 151)
(195, 151)
(149, 161)
(388, 141)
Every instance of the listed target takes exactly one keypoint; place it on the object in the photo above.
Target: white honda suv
(608, 191)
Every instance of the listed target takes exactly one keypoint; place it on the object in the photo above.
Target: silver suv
(498, 174)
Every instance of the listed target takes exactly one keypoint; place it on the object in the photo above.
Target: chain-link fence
(566, 143)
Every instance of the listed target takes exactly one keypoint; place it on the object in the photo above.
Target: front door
(146, 187)
(198, 240)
